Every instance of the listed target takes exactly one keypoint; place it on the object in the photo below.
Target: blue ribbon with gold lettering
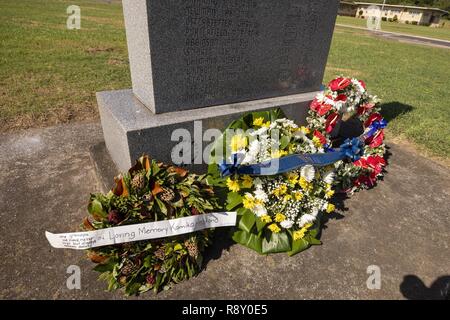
(351, 149)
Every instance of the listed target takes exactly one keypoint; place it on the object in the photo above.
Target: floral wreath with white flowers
(347, 99)
(276, 213)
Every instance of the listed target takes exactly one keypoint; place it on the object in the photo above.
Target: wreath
(345, 109)
(276, 213)
(149, 192)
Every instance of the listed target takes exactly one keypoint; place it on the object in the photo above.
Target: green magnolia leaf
(95, 207)
(105, 267)
(155, 168)
(178, 247)
(247, 221)
(249, 240)
(313, 241)
(161, 205)
(233, 200)
(298, 246)
(278, 242)
(260, 225)
(284, 142)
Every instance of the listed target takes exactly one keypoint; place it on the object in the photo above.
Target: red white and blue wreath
(346, 100)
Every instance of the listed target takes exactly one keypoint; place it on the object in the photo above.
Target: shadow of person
(222, 241)
(413, 288)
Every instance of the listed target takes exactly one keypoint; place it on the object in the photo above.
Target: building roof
(402, 6)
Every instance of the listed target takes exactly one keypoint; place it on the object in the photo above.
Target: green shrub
(414, 23)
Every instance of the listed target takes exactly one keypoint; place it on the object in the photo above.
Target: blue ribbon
(375, 126)
(351, 148)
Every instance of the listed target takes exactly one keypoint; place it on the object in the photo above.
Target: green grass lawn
(49, 74)
(423, 31)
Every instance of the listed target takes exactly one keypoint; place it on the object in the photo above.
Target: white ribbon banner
(139, 232)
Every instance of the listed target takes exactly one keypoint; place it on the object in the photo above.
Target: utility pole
(381, 13)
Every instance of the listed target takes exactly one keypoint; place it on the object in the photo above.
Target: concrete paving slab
(402, 226)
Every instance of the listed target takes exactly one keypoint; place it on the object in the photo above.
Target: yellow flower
(300, 234)
(292, 148)
(274, 228)
(258, 122)
(281, 190)
(238, 142)
(278, 154)
(287, 198)
(329, 194)
(247, 181)
(317, 142)
(292, 177)
(305, 184)
(248, 202)
(305, 130)
(266, 125)
(298, 195)
(279, 217)
(233, 185)
(266, 218)
(330, 208)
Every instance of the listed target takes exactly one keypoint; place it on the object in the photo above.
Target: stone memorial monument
(199, 64)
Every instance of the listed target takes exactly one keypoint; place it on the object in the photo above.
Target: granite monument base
(130, 129)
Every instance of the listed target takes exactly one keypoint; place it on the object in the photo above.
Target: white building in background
(397, 13)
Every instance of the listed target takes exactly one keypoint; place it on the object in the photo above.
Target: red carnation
(339, 83)
(341, 97)
(331, 122)
(365, 107)
(361, 163)
(373, 117)
(320, 107)
(376, 140)
(368, 180)
(376, 163)
(363, 84)
(321, 137)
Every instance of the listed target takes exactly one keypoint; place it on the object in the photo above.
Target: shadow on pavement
(413, 288)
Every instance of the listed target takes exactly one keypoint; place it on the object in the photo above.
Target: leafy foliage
(151, 191)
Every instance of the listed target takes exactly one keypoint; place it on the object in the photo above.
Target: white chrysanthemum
(329, 177)
(358, 85)
(308, 172)
(254, 147)
(315, 211)
(259, 210)
(249, 159)
(300, 134)
(320, 96)
(305, 219)
(257, 182)
(261, 195)
(287, 224)
(329, 101)
(253, 151)
(261, 131)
